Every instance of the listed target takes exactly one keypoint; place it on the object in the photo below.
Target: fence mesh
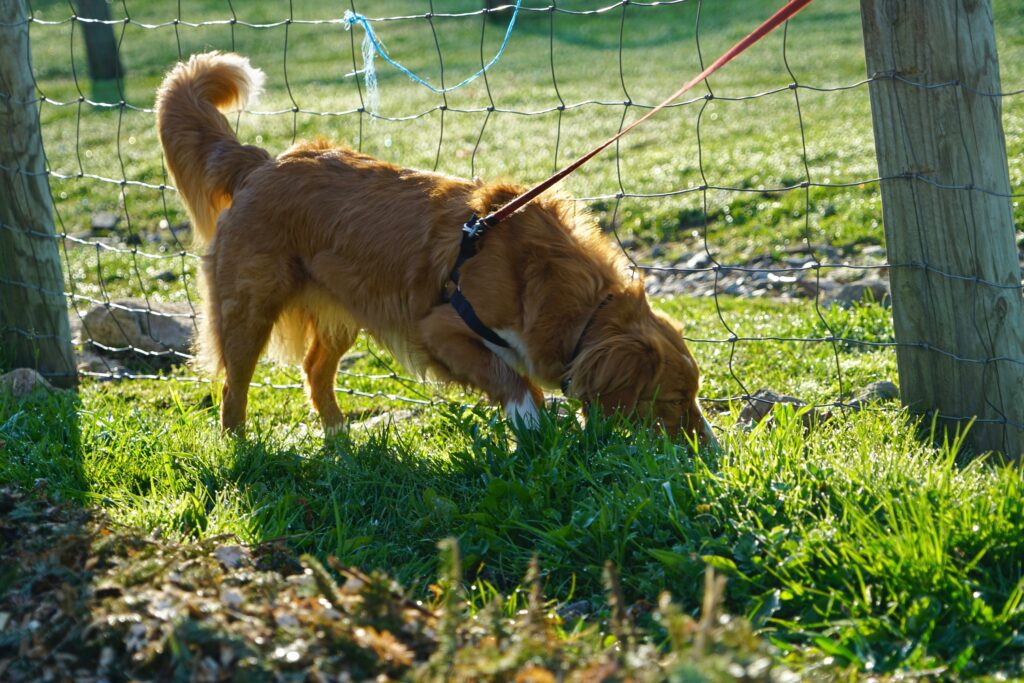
(761, 185)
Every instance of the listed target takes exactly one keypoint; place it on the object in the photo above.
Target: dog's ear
(613, 373)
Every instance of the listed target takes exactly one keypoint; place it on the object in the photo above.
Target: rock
(150, 331)
(855, 292)
(575, 610)
(812, 287)
(103, 222)
(801, 262)
(233, 556)
(761, 276)
(848, 275)
(733, 289)
(875, 392)
(22, 382)
(875, 251)
(698, 261)
(760, 405)
(823, 252)
(166, 276)
(93, 364)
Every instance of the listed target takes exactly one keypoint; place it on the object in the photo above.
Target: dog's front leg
(467, 360)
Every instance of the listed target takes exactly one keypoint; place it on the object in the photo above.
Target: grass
(856, 541)
(857, 546)
(110, 600)
(735, 149)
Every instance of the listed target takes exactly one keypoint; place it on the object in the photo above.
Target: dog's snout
(697, 425)
(707, 435)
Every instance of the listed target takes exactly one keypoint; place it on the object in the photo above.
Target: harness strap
(471, 232)
(465, 310)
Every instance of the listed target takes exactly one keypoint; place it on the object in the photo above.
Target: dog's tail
(203, 155)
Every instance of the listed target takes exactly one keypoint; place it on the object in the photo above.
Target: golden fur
(307, 249)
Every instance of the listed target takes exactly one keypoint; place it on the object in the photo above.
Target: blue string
(351, 19)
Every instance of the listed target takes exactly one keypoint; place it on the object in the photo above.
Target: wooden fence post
(957, 304)
(100, 44)
(34, 329)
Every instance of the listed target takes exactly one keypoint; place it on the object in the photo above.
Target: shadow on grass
(381, 499)
(40, 443)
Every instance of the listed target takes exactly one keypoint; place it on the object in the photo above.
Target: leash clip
(473, 227)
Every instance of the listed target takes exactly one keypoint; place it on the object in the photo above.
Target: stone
(847, 275)
(574, 611)
(92, 364)
(154, 331)
(875, 392)
(103, 222)
(233, 556)
(22, 382)
(811, 287)
(855, 292)
(760, 405)
(698, 261)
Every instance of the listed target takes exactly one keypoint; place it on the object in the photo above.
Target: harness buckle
(473, 227)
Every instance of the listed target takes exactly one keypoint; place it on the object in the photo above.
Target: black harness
(472, 230)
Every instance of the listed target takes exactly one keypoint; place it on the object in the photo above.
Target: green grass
(748, 144)
(857, 541)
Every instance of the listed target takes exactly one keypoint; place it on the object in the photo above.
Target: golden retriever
(308, 248)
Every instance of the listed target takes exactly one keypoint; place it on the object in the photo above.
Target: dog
(306, 249)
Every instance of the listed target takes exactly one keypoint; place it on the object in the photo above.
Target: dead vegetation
(84, 601)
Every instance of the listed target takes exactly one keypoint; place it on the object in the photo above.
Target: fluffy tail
(203, 154)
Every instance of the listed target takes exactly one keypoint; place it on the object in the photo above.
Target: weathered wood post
(949, 230)
(105, 68)
(34, 328)
(100, 45)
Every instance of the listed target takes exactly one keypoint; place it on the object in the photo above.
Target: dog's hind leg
(241, 349)
(467, 359)
(321, 368)
(248, 305)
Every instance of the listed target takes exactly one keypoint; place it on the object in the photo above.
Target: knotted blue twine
(372, 46)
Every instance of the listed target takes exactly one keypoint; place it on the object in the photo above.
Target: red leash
(784, 14)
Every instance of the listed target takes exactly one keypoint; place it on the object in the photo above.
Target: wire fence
(763, 185)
